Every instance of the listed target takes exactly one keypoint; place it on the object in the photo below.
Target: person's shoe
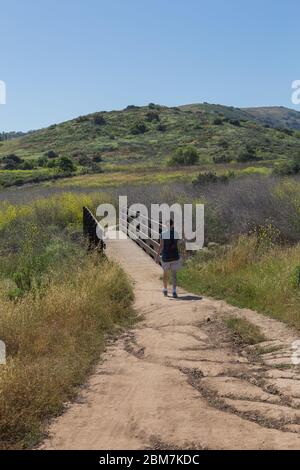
(175, 296)
(165, 292)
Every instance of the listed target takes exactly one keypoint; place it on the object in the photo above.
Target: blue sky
(64, 58)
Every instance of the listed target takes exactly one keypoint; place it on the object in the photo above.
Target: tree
(66, 165)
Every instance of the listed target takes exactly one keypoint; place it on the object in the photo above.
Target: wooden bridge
(143, 230)
(178, 380)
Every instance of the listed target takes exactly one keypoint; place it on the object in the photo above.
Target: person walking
(170, 258)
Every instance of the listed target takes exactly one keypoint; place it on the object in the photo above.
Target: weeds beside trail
(264, 278)
(57, 305)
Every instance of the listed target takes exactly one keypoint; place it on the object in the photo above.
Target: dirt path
(178, 381)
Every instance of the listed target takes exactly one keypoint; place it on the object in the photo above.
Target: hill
(276, 116)
(150, 134)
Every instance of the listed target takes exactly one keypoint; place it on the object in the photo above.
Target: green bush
(139, 128)
(222, 159)
(185, 156)
(99, 120)
(51, 154)
(152, 116)
(66, 165)
(248, 155)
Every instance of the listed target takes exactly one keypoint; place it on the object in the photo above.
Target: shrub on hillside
(290, 167)
(139, 128)
(51, 154)
(218, 122)
(185, 156)
(12, 162)
(248, 155)
(222, 159)
(97, 158)
(28, 165)
(42, 161)
(152, 116)
(82, 119)
(66, 165)
(235, 122)
(210, 177)
(99, 120)
(161, 127)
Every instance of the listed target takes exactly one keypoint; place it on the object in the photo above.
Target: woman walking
(170, 258)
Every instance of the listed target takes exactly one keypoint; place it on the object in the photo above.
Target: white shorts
(171, 265)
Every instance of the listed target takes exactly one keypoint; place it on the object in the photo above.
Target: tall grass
(261, 277)
(57, 304)
(52, 341)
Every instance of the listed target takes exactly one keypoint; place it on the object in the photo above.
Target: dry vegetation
(57, 306)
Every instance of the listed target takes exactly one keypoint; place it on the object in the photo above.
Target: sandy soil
(178, 380)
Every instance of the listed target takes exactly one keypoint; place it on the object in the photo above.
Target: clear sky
(64, 58)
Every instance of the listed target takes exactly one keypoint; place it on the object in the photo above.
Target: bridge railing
(147, 231)
(90, 232)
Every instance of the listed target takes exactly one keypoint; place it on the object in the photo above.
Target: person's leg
(174, 280)
(165, 281)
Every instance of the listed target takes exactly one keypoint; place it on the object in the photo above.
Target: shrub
(42, 161)
(290, 167)
(210, 177)
(82, 119)
(152, 116)
(235, 122)
(28, 165)
(51, 154)
(85, 161)
(99, 120)
(97, 158)
(52, 342)
(139, 128)
(222, 159)
(218, 122)
(12, 162)
(185, 156)
(132, 107)
(161, 127)
(248, 155)
(66, 165)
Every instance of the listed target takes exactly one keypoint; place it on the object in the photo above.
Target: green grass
(120, 148)
(262, 280)
(58, 304)
(246, 332)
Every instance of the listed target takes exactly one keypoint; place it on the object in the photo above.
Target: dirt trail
(178, 380)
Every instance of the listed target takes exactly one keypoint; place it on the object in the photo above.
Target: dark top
(170, 246)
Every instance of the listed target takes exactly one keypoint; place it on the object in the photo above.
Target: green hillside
(276, 116)
(148, 135)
